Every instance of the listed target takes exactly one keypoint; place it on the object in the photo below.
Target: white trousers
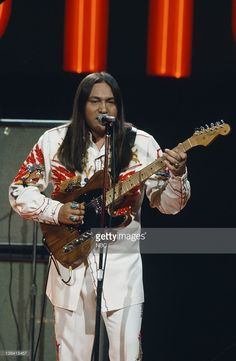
(75, 330)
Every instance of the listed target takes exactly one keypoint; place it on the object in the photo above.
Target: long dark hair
(73, 149)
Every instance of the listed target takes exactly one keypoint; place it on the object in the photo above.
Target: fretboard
(123, 187)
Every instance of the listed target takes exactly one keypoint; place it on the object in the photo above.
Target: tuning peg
(212, 125)
(202, 129)
(220, 123)
(207, 127)
(196, 131)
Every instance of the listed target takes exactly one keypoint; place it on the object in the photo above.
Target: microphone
(106, 119)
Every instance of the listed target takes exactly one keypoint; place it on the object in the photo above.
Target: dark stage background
(189, 314)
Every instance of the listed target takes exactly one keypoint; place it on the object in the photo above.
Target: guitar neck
(123, 187)
(202, 136)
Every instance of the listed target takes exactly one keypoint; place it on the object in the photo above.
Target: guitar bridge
(69, 247)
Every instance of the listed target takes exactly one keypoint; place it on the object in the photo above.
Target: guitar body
(71, 244)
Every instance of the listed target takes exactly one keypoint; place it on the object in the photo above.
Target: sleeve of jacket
(25, 192)
(165, 191)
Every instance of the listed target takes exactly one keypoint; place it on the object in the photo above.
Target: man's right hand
(71, 213)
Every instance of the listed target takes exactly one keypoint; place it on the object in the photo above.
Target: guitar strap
(129, 140)
(131, 136)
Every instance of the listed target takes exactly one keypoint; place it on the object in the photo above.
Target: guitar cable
(57, 267)
(59, 273)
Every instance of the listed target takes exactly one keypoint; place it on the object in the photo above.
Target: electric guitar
(70, 245)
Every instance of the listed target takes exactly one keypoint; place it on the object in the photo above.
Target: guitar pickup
(69, 247)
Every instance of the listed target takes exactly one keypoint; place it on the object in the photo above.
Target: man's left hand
(176, 162)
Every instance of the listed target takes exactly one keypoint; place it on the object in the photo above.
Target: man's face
(100, 101)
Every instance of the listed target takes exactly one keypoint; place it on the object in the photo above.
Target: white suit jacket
(123, 285)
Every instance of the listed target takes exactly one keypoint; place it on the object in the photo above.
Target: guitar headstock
(206, 135)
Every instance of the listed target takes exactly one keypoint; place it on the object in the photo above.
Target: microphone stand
(101, 270)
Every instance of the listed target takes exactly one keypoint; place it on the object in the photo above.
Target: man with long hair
(75, 151)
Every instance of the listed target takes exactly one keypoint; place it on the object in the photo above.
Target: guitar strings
(93, 202)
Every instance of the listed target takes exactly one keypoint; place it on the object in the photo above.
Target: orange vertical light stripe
(86, 35)
(164, 37)
(93, 35)
(234, 19)
(180, 39)
(5, 12)
(79, 44)
(170, 38)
